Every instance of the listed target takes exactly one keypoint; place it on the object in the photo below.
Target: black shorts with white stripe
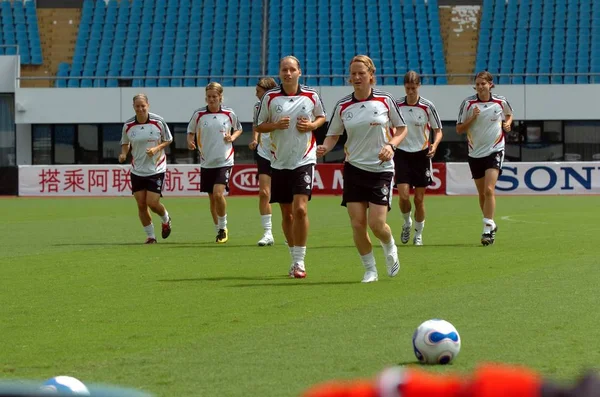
(287, 183)
(362, 186)
(478, 166)
(209, 177)
(413, 168)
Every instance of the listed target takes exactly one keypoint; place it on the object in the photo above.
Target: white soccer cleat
(370, 277)
(418, 239)
(392, 263)
(405, 236)
(266, 240)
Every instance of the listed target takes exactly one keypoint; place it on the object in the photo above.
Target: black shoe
(166, 229)
(222, 236)
(487, 239)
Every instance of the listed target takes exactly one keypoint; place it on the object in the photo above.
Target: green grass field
(81, 296)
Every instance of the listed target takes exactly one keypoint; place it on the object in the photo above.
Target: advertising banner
(549, 178)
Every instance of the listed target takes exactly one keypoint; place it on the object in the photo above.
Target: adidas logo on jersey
(363, 106)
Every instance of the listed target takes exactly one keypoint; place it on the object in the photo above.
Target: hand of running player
(506, 126)
(228, 138)
(432, 150)
(253, 145)
(321, 150)
(304, 125)
(283, 123)
(386, 153)
(151, 151)
(476, 112)
(191, 144)
(122, 158)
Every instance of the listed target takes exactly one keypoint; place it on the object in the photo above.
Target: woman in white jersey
(210, 130)
(261, 144)
(290, 113)
(413, 157)
(147, 135)
(483, 117)
(375, 127)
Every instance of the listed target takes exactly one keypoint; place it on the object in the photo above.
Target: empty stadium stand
(20, 28)
(326, 34)
(168, 38)
(541, 42)
(163, 38)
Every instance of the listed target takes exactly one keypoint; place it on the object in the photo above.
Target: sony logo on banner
(543, 178)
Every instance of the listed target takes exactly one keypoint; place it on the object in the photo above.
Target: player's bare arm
(327, 145)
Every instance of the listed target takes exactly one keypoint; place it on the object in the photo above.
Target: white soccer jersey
(142, 136)
(485, 135)
(291, 148)
(420, 119)
(264, 140)
(210, 129)
(368, 124)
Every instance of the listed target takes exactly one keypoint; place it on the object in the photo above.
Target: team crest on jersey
(133, 134)
(348, 116)
(205, 124)
(279, 109)
(307, 178)
(385, 190)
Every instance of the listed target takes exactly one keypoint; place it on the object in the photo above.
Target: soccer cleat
(150, 240)
(267, 239)
(418, 239)
(291, 271)
(222, 236)
(298, 272)
(166, 229)
(392, 262)
(405, 236)
(370, 276)
(489, 238)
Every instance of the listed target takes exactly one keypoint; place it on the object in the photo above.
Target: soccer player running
(413, 157)
(375, 127)
(210, 130)
(290, 113)
(483, 117)
(147, 135)
(261, 143)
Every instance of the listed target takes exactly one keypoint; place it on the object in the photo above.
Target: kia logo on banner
(244, 179)
(328, 179)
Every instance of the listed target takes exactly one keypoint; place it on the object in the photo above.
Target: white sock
(222, 221)
(216, 228)
(266, 223)
(368, 262)
(488, 225)
(419, 227)
(291, 249)
(150, 231)
(406, 216)
(387, 248)
(299, 253)
(165, 217)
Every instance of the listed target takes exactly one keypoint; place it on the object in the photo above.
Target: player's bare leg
(419, 215)
(300, 233)
(404, 203)
(360, 234)
(287, 223)
(378, 224)
(264, 196)
(220, 205)
(487, 198)
(144, 215)
(153, 201)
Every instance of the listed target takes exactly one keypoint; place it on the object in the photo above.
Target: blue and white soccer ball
(436, 342)
(65, 385)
